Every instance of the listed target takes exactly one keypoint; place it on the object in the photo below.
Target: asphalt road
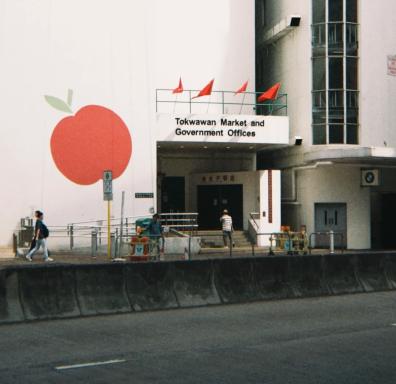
(345, 339)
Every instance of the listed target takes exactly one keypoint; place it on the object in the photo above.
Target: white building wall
(113, 54)
(270, 222)
(377, 89)
(288, 60)
(337, 185)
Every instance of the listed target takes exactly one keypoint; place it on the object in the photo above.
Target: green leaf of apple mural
(58, 104)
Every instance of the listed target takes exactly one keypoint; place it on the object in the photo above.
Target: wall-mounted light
(298, 140)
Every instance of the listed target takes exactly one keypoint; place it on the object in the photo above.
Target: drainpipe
(293, 198)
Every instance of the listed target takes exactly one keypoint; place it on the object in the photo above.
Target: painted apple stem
(69, 97)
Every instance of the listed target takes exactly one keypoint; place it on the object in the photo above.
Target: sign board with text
(107, 185)
(251, 129)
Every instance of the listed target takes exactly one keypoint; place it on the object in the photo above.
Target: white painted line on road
(93, 364)
(393, 325)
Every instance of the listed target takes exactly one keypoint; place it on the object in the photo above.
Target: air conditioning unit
(370, 177)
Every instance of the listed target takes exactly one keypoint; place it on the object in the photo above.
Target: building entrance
(388, 214)
(213, 199)
(172, 194)
(330, 217)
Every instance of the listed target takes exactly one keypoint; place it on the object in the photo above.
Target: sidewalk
(7, 259)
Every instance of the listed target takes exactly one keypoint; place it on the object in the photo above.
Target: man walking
(40, 236)
(226, 224)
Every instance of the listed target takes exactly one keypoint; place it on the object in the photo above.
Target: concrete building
(336, 62)
(120, 61)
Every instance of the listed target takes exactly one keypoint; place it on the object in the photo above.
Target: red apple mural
(91, 141)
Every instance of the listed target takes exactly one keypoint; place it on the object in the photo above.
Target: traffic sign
(107, 185)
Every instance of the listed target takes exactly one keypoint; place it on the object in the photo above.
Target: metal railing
(254, 216)
(183, 222)
(90, 238)
(331, 236)
(291, 243)
(222, 99)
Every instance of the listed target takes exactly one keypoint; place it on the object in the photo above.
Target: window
(352, 134)
(319, 134)
(336, 134)
(351, 11)
(335, 38)
(335, 96)
(335, 10)
(336, 73)
(351, 73)
(319, 73)
(318, 11)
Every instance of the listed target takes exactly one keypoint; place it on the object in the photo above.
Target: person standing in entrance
(226, 226)
(156, 235)
(40, 236)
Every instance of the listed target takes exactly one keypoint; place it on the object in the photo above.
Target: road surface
(345, 339)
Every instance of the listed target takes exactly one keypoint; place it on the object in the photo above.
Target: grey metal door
(330, 217)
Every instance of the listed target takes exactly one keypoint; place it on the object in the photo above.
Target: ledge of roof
(354, 154)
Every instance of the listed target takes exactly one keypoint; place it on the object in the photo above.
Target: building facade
(87, 88)
(336, 67)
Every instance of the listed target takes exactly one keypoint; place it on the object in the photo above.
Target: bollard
(116, 243)
(331, 241)
(94, 243)
(271, 239)
(71, 236)
(15, 244)
(112, 245)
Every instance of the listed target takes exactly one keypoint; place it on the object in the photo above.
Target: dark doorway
(388, 215)
(213, 199)
(172, 194)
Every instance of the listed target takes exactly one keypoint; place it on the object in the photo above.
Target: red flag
(179, 88)
(271, 93)
(242, 89)
(206, 91)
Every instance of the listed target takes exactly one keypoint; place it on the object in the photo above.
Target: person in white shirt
(226, 226)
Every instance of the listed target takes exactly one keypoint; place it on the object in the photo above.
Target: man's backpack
(44, 230)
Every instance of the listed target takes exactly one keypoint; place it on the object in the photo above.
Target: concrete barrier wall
(36, 292)
(10, 306)
(47, 293)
